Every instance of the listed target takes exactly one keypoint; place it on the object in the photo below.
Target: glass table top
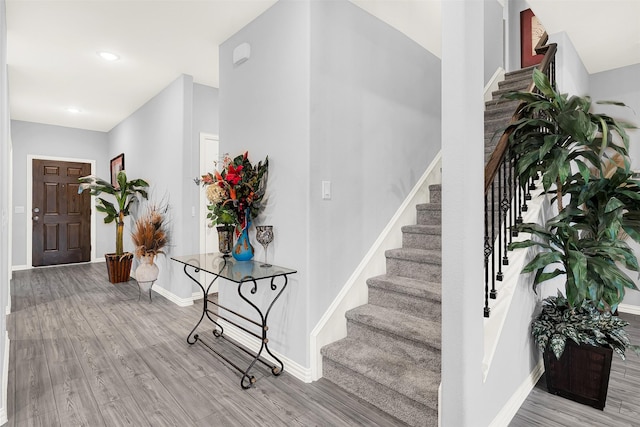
(229, 268)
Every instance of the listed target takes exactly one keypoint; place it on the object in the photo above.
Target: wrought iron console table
(240, 272)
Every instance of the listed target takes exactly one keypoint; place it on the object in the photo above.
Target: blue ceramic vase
(243, 250)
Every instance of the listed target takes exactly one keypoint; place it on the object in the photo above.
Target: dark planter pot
(119, 267)
(581, 374)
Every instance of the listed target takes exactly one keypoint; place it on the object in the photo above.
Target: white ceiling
(53, 45)
(605, 33)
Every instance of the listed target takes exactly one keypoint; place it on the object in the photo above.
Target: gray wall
(571, 75)
(514, 7)
(264, 108)
(375, 127)
(54, 141)
(329, 93)
(466, 399)
(493, 38)
(5, 195)
(161, 145)
(622, 84)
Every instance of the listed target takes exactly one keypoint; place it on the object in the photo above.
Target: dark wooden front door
(60, 216)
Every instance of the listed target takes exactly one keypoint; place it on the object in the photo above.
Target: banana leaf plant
(582, 158)
(125, 196)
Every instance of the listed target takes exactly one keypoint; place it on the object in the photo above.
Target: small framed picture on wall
(531, 31)
(117, 164)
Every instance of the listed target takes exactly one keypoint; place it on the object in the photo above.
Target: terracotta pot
(119, 267)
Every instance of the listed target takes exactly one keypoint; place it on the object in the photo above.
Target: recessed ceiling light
(74, 110)
(108, 56)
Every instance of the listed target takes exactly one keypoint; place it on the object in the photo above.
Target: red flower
(233, 175)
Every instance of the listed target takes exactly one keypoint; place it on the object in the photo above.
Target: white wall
(622, 84)
(5, 209)
(264, 108)
(54, 141)
(375, 127)
(493, 38)
(466, 399)
(571, 75)
(161, 145)
(330, 93)
(462, 201)
(514, 7)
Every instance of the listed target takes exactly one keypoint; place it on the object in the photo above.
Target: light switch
(18, 209)
(193, 211)
(326, 190)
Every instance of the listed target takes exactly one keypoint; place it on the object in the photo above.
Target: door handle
(36, 210)
(36, 218)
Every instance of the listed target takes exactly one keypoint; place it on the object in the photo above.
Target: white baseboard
(509, 410)
(332, 326)
(198, 294)
(631, 309)
(4, 418)
(238, 335)
(179, 301)
(20, 267)
(492, 84)
(7, 310)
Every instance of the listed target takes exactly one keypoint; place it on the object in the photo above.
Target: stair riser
(493, 126)
(501, 103)
(415, 306)
(414, 269)
(429, 217)
(435, 195)
(405, 409)
(505, 114)
(386, 341)
(517, 85)
(421, 241)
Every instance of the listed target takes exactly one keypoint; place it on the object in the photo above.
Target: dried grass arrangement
(150, 232)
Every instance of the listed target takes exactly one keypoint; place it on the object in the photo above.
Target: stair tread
(422, 229)
(526, 70)
(406, 285)
(420, 331)
(433, 256)
(429, 206)
(407, 376)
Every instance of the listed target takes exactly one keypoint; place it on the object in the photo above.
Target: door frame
(202, 201)
(29, 204)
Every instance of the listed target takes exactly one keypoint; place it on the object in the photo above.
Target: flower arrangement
(236, 193)
(150, 233)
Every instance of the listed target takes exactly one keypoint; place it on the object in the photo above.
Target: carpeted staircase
(391, 355)
(498, 111)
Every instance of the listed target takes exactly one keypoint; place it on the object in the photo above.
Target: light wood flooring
(85, 352)
(623, 398)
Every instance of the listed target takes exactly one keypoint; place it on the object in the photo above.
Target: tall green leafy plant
(558, 134)
(125, 195)
(582, 158)
(561, 140)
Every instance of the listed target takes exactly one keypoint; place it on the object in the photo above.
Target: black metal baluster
(493, 294)
(487, 253)
(501, 222)
(506, 205)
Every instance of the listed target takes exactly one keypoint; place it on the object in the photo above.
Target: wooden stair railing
(504, 198)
